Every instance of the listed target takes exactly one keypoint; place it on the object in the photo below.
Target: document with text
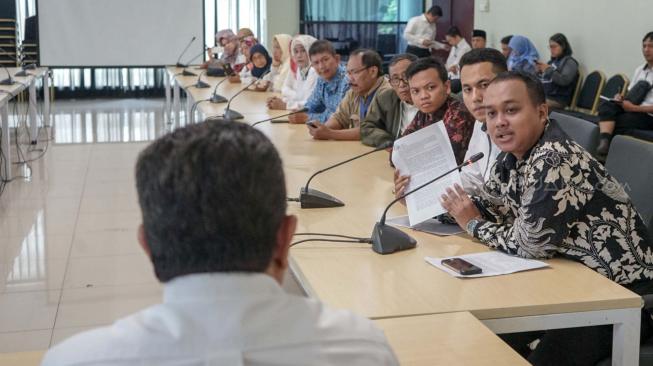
(424, 155)
(493, 263)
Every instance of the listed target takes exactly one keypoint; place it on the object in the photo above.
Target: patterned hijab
(231, 57)
(306, 41)
(225, 33)
(259, 71)
(522, 49)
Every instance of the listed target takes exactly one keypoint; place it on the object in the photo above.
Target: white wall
(278, 17)
(604, 34)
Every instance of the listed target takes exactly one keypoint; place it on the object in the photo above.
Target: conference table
(403, 285)
(8, 92)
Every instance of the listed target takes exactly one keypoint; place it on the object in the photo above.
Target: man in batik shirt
(547, 196)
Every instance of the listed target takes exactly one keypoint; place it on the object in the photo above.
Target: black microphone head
(192, 39)
(476, 157)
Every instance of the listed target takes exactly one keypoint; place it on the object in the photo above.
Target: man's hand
(276, 103)
(459, 205)
(319, 131)
(628, 106)
(401, 184)
(298, 118)
(427, 43)
(618, 98)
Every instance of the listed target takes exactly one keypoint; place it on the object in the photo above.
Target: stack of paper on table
(492, 263)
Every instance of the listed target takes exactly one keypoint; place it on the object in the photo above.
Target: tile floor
(69, 260)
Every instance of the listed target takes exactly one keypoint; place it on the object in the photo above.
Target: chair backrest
(588, 98)
(615, 85)
(584, 132)
(579, 83)
(636, 178)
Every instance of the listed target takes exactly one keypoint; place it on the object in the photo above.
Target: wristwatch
(471, 226)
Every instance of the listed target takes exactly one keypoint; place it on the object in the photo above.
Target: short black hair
(479, 33)
(369, 58)
(648, 37)
(213, 197)
(321, 46)
(478, 55)
(453, 31)
(560, 39)
(426, 63)
(400, 57)
(506, 39)
(435, 11)
(533, 85)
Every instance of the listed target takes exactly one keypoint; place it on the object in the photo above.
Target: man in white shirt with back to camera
(219, 241)
(420, 33)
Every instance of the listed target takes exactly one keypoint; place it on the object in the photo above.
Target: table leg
(6, 140)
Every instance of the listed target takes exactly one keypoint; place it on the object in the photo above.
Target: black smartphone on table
(461, 266)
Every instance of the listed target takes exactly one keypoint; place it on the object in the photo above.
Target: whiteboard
(119, 32)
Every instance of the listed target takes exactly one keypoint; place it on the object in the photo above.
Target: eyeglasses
(358, 71)
(397, 81)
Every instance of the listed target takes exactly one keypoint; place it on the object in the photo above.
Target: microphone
(201, 84)
(273, 119)
(189, 73)
(179, 64)
(311, 198)
(230, 114)
(215, 97)
(389, 239)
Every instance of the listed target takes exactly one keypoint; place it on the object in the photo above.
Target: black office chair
(588, 98)
(584, 132)
(617, 84)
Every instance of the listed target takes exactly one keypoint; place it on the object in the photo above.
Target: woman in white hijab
(301, 79)
(280, 60)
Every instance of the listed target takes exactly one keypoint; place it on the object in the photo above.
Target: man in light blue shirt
(330, 88)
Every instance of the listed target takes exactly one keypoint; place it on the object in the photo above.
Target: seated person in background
(245, 32)
(365, 82)
(244, 60)
(222, 39)
(331, 85)
(477, 69)
(560, 74)
(547, 196)
(280, 63)
(505, 50)
(635, 112)
(459, 47)
(392, 110)
(222, 301)
(479, 39)
(429, 89)
(301, 79)
(261, 64)
(523, 55)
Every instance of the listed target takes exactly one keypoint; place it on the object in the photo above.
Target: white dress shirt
(644, 72)
(229, 319)
(408, 112)
(473, 177)
(418, 29)
(297, 88)
(455, 54)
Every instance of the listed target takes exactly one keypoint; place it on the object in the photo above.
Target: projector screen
(119, 32)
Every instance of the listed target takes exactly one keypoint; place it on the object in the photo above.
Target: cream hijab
(284, 42)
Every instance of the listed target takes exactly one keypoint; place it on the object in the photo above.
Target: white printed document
(424, 155)
(431, 226)
(492, 263)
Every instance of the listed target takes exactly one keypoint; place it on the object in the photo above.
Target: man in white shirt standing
(420, 33)
(219, 241)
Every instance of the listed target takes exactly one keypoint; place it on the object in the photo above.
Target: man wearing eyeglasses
(365, 84)
(392, 110)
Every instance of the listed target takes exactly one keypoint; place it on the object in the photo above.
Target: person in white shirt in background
(280, 64)
(420, 33)
(221, 251)
(301, 79)
(477, 69)
(459, 47)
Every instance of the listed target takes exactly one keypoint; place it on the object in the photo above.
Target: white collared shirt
(474, 176)
(408, 112)
(418, 29)
(229, 319)
(455, 54)
(643, 72)
(297, 88)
